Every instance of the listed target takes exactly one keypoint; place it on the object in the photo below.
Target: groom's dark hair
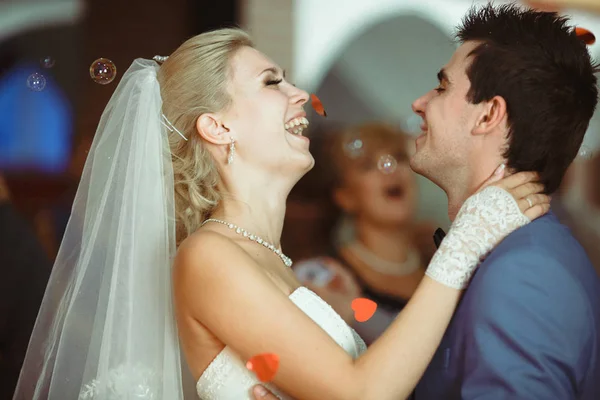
(536, 62)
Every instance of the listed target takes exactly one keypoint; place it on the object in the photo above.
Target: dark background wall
(120, 31)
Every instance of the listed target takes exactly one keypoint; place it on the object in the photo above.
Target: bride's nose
(298, 96)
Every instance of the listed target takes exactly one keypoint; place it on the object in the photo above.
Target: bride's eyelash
(274, 82)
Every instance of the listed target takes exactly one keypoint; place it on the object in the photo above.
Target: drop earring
(231, 152)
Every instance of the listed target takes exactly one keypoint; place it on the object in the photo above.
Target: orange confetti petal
(317, 105)
(585, 35)
(363, 309)
(265, 366)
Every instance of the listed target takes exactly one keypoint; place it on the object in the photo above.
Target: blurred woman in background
(378, 251)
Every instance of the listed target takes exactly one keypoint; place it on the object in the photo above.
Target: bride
(173, 244)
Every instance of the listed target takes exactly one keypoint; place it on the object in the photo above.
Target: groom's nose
(419, 105)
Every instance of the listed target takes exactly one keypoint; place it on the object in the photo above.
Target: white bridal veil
(106, 327)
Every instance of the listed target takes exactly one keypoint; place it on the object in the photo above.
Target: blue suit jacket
(528, 326)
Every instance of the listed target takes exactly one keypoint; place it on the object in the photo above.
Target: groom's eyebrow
(442, 76)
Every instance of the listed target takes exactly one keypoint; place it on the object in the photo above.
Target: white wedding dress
(227, 377)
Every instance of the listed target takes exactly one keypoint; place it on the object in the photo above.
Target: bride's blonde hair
(193, 81)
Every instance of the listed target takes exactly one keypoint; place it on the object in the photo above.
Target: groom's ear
(493, 114)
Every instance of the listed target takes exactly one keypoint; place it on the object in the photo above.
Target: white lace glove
(483, 221)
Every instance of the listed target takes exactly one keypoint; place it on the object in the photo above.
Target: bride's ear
(211, 129)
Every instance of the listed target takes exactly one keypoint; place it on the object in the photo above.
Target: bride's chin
(307, 163)
(310, 164)
(295, 168)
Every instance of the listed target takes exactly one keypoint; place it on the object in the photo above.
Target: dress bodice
(227, 377)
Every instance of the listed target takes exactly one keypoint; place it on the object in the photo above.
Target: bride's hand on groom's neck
(525, 187)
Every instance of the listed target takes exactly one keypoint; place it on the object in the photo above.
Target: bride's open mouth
(296, 126)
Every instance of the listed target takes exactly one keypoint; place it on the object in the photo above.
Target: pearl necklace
(240, 231)
(412, 263)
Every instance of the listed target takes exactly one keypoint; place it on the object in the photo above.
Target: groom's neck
(467, 181)
(454, 205)
(458, 194)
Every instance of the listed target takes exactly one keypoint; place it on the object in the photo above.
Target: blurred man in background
(24, 272)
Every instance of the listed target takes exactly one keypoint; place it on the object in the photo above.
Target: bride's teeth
(296, 126)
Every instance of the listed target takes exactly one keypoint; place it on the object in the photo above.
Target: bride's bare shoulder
(208, 269)
(208, 248)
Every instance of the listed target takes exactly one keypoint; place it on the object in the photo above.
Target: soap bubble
(354, 147)
(36, 82)
(387, 164)
(103, 71)
(47, 62)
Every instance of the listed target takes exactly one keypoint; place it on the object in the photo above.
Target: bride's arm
(231, 296)
(238, 303)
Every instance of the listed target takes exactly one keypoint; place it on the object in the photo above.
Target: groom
(520, 90)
